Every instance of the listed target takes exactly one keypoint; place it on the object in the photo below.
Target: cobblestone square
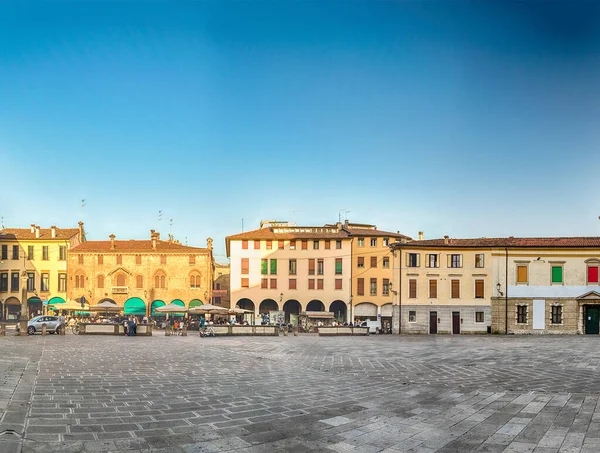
(294, 394)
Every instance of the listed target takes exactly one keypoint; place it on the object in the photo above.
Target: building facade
(33, 267)
(442, 286)
(221, 286)
(289, 269)
(141, 275)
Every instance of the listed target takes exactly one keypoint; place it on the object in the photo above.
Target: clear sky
(460, 118)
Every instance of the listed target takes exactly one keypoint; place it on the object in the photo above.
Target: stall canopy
(318, 314)
(135, 306)
(34, 300)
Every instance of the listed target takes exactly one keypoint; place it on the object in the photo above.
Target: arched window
(195, 280)
(79, 281)
(100, 281)
(121, 280)
(159, 280)
(139, 281)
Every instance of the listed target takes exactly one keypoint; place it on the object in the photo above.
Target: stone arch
(11, 308)
(246, 304)
(315, 305)
(268, 305)
(160, 279)
(365, 310)
(339, 308)
(291, 307)
(195, 278)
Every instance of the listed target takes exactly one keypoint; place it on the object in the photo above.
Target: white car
(35, 324)
(372, 325)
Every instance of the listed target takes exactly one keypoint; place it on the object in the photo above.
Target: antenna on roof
(171, 228)
(345, 211)
(242, 225)
(2, 222)
(82, 205)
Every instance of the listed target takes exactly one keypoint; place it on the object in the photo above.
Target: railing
(120, 289)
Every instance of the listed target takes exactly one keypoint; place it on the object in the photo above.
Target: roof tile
(135, 246)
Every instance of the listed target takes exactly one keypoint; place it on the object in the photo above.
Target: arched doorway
(154, 306)
(268, 305)
(195, 303)
(386, 318)
(106, 299)
(339, 310)
(292, 309)
(34, 306)
(12, 309)
(246, 304)
(315, 305)
(365, 311)
(134, 307)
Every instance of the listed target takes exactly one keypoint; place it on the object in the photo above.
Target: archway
(180, 303)
(106, 299)
(315, 305)
(246, 304)
(195, 303)
(135, 306)
(12, 308)
(339, 310)
(268, 305)
(365, 311)
(154, 306)
(292, 309)
(34, 306)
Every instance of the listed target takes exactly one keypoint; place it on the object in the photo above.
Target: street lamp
(24, 315)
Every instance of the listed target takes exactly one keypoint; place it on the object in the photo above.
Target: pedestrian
(125, 325)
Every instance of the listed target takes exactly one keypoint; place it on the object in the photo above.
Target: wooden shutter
(320, 283)
(274, 267)
(338, 283)
(433, 289)
(280, 244)
(269, 245)
(521, 274)
(592, 274)
(373, 261)
(311, 266)
(256, 245)
(245, 266)
(412, 288)
(264, 283)
(293, 245)
(479, 289)
(338, 265)
(292, 283)
(140, 281)
(557, 274)
(273, 283)
(304, 245)
(455, 289)
(361, 261)
(311, 283)
(100, 281)
(245, 283)
(244, 245)
(327, 245)
(360, 287)
(264, 266)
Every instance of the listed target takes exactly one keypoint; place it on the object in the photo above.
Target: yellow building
(33, 266)
(221, 286)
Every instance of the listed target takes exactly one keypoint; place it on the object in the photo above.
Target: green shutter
(273, 267)
(263, 267)
(338, 267)
(557, 274)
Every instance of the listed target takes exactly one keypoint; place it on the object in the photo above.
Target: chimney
(37, 231)
(346, 224)
(80, 231)
(153, 237)
(53, 230)
(421, 236)
(209, 242)
(112, 241)
(33, 227)
(339, 226)
(446, 240)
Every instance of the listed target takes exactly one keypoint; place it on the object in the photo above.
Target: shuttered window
(245, 266)
(311, 267)
(433, 289)
(292, 267)
(360, 287)
(338, 266)
(264, 266)
(521, 274)
(140, 281)
(373, 289)
(592, 274)
(245, 245)
(273, 267)
(412, 288)
(256, 245)
(479, 289)
(292, 245)
(557, 274)
(413, 259)
(373, 261)
(280, 244)
(304, 245)
(245, 283)
(455, 260)
(361, 261)
(320, 283)
(292, 284)
(273, 283)
(264, 283)
(327, 245)
(269, 245)
(455, 289)
(100, 281)
(311, 283)
(338, 283)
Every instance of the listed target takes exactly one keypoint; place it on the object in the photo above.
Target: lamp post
(24, 314)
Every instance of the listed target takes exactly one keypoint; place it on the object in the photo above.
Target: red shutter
(280, 244)
(593, 274)
(292, 283)
(320, 283)
(311, 283)
(256, 245)
(327, 245)
(311, 267)
(245, 245)
(360, 289)
(338, 283)
(245, 266)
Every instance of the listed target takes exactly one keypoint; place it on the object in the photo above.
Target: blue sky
(459, 118)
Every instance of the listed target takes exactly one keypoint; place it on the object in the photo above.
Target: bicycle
(75, 329)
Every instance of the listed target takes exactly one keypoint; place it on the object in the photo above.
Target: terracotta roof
(134, 246)
(270, 234)
(547, 242)
(368, 232)
(45, 234)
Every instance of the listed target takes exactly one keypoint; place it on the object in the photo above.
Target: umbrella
(238, 311)
(172, 308)
(208, 309)
(70, 305)
(106, 306)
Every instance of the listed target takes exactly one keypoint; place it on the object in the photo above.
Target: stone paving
(392, 394)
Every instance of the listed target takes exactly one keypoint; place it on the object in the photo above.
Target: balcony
(120, 289)
(220, 292)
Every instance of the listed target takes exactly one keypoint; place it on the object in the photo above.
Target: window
(373, 288)
(245, 283)
(386, 242)
(479, 289)
(245, 245)
(195, 280)
(79, 281)
(163, 259)
(320, 283)
(121, 280)
(327, 245)
(373, 261)
(264, 283)
(338, 266)
(315, 245)
(479, 260)
(338, 244)
(455, 260)
(292, 284)
(217, 286)
(245, 266)
(79, 259)
(413, 259)
(361, 262)
(522, 314)
(292, 245)
(256, 245)
(361, 242)
(159, 281)
(304, 245)
(100, 281)
(4, 252)
(592, 274)
(455, 289)
(338, 283)
(386, 287)
(320, 267)
(31, 281)
(14, 281)
(30, 250)
(62, 282)
(557, 274)
(360, 287)
(479, 316)
(269, 245)
(138, 259)
(100, 259)
(15, 252)
(412, 316)
(120, 259)
(311, 267)
(433, 289)
(292, 267)
(373, 242)
(280, 245)
(311, 283)
(273, 266)
(4, 281)
(217, 300)
(432, 260)
(557, 314)
(62, 252)
(412, 288)
(139, 281)
(386, 262)
(264, 266)
(521, 274)
(45, 283)
(45, 252)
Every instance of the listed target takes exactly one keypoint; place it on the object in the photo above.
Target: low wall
(92, 328)
(271, 331)
(343, 330)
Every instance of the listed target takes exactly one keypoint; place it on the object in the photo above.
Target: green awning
(135, 306)
(34, 300)
(180, 303)
(56, 300)
(155, 305)
(196, 303)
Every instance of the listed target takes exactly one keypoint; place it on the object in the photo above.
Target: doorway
(592, 320)
(433, 322)
(456, 322)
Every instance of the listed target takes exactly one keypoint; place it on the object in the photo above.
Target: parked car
(35, 324)
(373, 326)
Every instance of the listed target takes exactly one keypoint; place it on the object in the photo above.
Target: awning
(56, 300)
(135, 306)
(196, 303)
(318, 314)
(155, 305)
(34, 300)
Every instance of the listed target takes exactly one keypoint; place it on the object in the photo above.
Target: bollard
(167, 331)
(184, 331)
(295, 331)
(285, 332)
(62, 330)
(3, 330)
(44, 330)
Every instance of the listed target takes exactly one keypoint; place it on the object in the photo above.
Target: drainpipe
(506, 293)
